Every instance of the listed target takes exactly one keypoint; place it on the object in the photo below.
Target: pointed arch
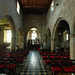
(56, 26)
(13, 31)
(58, 35)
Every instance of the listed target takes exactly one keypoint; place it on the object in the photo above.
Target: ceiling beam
(35, 2)
(34, 7)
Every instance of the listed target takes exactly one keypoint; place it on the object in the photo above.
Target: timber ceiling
(35, 6)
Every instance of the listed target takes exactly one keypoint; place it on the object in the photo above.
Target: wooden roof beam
(34, 7)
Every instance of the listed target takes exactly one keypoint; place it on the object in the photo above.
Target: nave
(33, 65)
(37, 37)
(36, 62)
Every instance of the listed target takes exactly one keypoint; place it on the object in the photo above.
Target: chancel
(37, 37)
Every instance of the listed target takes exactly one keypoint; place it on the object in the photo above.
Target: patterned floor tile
(33, 65)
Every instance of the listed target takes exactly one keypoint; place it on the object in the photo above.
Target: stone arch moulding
(19, 37)
(19, 31)
(48, 29)
(48, 39)
(13, 32)
(26, 34)
(32, 27)
(56, 25)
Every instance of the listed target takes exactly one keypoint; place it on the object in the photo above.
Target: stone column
(48, 42)
(13, 43)
(21, 41)
(44, 42)
(52, 45)
(25, 41)
(72, 46)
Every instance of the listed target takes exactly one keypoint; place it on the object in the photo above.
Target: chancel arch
(33, 38)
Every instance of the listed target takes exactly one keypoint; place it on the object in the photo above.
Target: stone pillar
(25, 42)
(72, 46)
(52, 45)
(21, 41)
(13, 43)
(48, 42)
(44, 42)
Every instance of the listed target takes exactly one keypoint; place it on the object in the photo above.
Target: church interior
(37, 37)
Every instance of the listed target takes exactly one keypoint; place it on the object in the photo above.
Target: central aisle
(33, 65)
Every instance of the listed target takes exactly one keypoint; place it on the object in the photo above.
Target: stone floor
(33, 65)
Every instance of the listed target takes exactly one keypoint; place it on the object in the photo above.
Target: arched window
(18, 7)
(34, 35)
(52, 6)
(7, 35)
(66, 35)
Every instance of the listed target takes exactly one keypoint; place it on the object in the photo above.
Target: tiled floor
(33, 65)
